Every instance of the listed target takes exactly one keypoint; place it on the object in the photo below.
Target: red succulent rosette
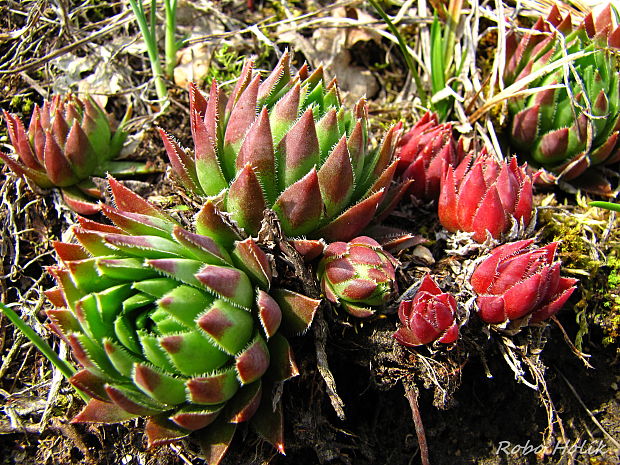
(518, 280)
(483, 196)
(429, 317)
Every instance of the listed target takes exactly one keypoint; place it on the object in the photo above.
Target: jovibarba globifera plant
(575, 124)
(67, 141)
(286, 143)
(175, 325)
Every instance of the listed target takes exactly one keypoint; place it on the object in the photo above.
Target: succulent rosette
(575, 125)
(67, 141)
(287, 144)
(485, 196)
(519, 281)
(170, 325)
(359, 275)
(428, 317)
(424, 153)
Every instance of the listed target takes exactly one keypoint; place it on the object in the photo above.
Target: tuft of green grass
(226, 64)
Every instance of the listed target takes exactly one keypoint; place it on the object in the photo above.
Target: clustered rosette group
(182, 324)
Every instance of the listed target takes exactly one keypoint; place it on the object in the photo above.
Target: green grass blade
(607, 205)
(403, 47)
(66, 369)
(148, 32)
(438, 77)
(170, 43)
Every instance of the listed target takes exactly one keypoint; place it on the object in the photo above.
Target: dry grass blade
(518, 86)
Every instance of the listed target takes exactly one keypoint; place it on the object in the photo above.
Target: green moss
(609, 317)
(579, 230)
(22, 104)
(225, 66)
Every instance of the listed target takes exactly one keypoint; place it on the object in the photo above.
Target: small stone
(423, 256)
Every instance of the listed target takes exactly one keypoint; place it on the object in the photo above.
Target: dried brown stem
(411, 393)
(271, 232)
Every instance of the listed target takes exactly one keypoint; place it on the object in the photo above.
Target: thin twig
(118, 22)
(411, 393)
(590, 414)
(582, 356)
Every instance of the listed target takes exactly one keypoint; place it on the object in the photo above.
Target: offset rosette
(519, 281)
(168, 324)
(359, 275)
(67, 141)
(429, 317)
(286, 143)
(425, 152)
(485, 196)
(575, 125)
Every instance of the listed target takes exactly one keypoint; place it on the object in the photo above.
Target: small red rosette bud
(424, 155)
(428, 317)
(485, 196)
(519, 280)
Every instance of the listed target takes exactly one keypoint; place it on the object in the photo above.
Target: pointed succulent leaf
(209, 222)
(250, 258)
(160, 386)
(128, 201)
(202, 247)
(214, 441)
(299, 151)
(243, 406)
(97, 411)
(269, 423)
(122, 359)
(228, 326)
(91, 384)
(269, 313)
(246, 200)
(300, 206)
(285, 113)
(191, 353)
(133, 401)
(253, 361)
(160, 431)
(78, 202)
(336, 179)
(297, 310)
(213, 389)
(196, 417)
(353, 220)
(283, 365)
(257, 151)
(229, 283)
(181, 163)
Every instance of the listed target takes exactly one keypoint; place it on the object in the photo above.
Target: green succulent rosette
(68, 140)
(287, 143)
(172, 324)
(574, 122)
